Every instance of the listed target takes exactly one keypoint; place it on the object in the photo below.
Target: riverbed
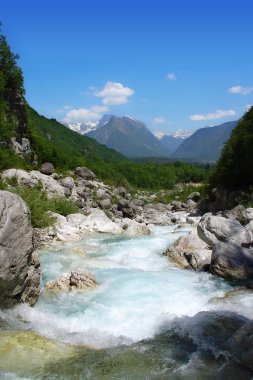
(141, 298)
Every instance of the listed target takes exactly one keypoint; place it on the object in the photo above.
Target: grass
(39, 205)
(180, 193)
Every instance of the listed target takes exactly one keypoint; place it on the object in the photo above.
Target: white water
(139, 292)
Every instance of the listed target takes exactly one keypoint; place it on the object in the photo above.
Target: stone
(176, 205)
(120, 191)
(248, 215)
(193, 220)
(76, 280)
(190, 252)
(195, 196)
(50, 185)
(235, 213)
(212, 229)
(21, 147)
(19, 265)
(84, 173)
(105, 203)
(47, 168)
(133, 228)
(241, 346)
(68, 182)
(232, 261)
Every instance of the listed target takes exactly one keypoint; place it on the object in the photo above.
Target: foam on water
(139, 291)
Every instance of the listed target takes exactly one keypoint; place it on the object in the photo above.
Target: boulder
(248, 215)
(47, 168)
(19, 265)
(235, 213)
(241, 346)
(120, 191)
(195, 196)
(84, 172)
(68, 182)
(98, 221)
(34, 178)
(232, 261)
(132, 228)
(105, 203)
(213, 229)
(76, 280)
(190, 252)
(157, 216)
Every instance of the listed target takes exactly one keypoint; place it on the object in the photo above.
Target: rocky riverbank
(210, 343)
(220, 243)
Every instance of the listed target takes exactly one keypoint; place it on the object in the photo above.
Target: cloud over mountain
(219, 114)
(114, 93)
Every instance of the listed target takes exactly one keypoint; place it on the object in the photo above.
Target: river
(141, 299)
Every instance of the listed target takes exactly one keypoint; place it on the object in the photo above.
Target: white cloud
(215, 115)
(248, 107)
(240, 90)
(159, 120)
(63, 109)
(81, 114)
(171, 76)
(114, 93)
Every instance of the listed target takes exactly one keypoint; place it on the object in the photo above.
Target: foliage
(53, 142)
(11, 91)
(9, 159)
(245, 198)
(62, 206)
(234, 168)
(180, 193)
(39, 205)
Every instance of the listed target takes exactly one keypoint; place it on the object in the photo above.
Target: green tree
(234, 168)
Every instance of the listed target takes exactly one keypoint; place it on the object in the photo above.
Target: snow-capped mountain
(83, 127)
(180, 134)
(172, 140)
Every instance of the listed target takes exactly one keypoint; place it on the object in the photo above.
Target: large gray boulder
(190, 252)
(19, 266)
(241, 346)
(84, 172)
(213, 229)
(232, 261)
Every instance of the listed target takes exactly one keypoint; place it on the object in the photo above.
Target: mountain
(84, 127)
(173, 140)
(171, 143)
(129, 137)
(205, 145)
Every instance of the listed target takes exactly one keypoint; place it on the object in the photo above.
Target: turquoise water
(140, 294)
(139, 290)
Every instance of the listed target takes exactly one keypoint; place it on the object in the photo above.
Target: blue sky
(175, 64)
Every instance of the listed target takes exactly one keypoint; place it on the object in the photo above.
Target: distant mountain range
(133, 139)
(128, 136)
(205, 144)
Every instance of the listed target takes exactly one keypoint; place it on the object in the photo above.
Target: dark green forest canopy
(234, 170)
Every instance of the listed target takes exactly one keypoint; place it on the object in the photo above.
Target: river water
(141, 299)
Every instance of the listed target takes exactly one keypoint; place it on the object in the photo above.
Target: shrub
(39, 205)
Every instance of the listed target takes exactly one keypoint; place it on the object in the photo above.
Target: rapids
(140, 295)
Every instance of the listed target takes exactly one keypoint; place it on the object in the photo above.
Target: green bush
(62, 206)
(39, 205)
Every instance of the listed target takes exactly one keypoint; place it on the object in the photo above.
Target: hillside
(234, 168)
(129, 137)
(205, 145)
(171, 143)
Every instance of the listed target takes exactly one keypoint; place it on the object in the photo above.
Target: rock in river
(19, 266)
